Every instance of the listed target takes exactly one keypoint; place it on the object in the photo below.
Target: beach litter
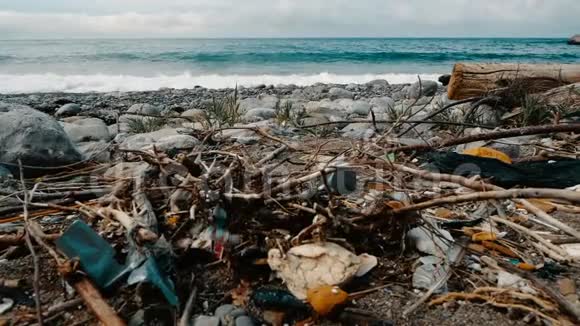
(300, 226)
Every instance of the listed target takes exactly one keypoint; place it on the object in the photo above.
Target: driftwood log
(476, 79)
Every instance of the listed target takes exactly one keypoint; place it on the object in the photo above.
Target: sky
(45, 19)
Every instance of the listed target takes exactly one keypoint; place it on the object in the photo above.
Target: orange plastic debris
(499, 248)
(476, 247)
(325, 298)
(395, 204)
(484, 236)
(488, 153)
(526, 267)
(542, 204)
(443, 212)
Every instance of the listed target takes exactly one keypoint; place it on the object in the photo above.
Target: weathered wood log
(476, 79)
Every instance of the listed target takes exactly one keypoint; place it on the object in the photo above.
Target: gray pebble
(244, 321)
(206, 321)
(237, 312)
(223, 311)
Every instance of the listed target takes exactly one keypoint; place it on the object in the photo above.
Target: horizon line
(279, 38)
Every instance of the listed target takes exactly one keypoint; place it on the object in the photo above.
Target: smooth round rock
(244, 321)
(223, 311)
(206, 321)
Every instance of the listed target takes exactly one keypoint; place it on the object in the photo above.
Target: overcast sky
(287, 18)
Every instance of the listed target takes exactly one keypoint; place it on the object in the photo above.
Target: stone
(326, 108)
(351, 87)
(259, 114)
(244, 321)
(359, 108)
(223, 313)
(98, 151)
(118, 128)
(141, 108)
(34, 137)
(336, 93)
(68, 110)
(164, 140)
(359, 131)
(262, 101)
(308, 121)
(144, 108)
(196, 114)
(444, 79)
(382, 104)
(574, 40)
(421, 89)
(206, 321)
(125, 170)
(378, 83)
(86, 129)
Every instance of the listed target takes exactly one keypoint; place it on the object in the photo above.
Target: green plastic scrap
(97, 259)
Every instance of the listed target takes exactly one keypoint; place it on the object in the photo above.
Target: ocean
(149, 64)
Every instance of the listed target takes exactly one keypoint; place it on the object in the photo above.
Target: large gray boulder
(33, 137)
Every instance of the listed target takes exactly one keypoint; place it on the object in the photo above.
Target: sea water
(149, 64)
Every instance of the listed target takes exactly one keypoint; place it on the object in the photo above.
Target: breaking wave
(50, 82)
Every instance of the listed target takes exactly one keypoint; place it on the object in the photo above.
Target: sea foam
(49, 82)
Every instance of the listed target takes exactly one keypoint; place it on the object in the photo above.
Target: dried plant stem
(35, 261)
(482, 186)
(495, 194)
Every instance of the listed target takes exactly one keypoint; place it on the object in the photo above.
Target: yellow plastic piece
(488, 153)
(483, 236)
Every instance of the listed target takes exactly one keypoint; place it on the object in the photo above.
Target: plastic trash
(555, 173)
(342, 181)
(96, 258)
(436, 243)
(5, 305)
(313, 265)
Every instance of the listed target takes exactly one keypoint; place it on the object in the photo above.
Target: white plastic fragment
(432, 270)
(432, 243)
(5, 305)
(313, 265)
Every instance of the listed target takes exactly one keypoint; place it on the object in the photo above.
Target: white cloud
(221, 18)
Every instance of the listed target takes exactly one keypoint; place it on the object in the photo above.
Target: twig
(526, 131)
(495, 194)
(474, 296)
(534, 235)
(36, 276)
(188, 310)
(451, 123)
(482, 186)
(97, 304)
(426, 119)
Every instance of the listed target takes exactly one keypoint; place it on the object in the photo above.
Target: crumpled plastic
(314, 265)
(97, 259)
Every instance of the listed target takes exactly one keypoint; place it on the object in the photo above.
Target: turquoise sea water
(84, 65)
